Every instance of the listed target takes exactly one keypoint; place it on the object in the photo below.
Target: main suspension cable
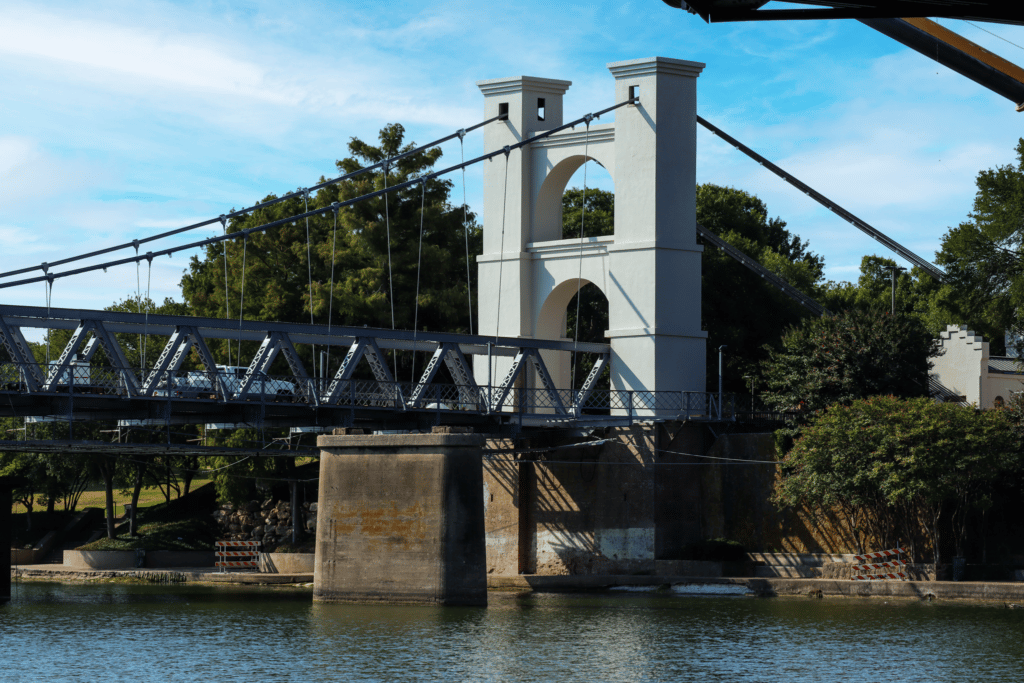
(316, 212)
(242, 212)
(858, 223)
(419, 265)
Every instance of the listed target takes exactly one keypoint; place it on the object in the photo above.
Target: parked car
(200, 384)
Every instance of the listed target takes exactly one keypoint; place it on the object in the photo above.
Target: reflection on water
(113, 632)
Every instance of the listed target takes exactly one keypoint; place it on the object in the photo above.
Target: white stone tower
(649, 270)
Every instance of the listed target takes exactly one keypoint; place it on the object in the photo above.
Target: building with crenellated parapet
(965, 371)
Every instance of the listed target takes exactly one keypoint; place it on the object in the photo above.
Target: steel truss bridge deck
(73, 387)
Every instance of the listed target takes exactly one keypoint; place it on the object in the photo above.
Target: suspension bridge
(401, 515)
(513, 375)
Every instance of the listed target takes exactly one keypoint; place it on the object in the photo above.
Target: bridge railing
(239, 385)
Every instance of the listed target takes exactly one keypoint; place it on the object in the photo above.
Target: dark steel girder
(714, 11)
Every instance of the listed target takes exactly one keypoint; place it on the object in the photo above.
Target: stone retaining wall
(128, 559)
(269, 522)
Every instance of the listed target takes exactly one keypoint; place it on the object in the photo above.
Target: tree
(887, 463)
(851, 355)
(594, 215)
(918, 295)
(351, 271)
(739, 310)
(984, 255)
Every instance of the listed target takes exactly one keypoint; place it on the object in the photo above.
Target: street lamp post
(892, 273)
(720, 378)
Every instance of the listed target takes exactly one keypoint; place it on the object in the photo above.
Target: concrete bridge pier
(401, 520)
(7, 485)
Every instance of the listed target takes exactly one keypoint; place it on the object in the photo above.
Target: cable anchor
(461, 132)
(507, 150)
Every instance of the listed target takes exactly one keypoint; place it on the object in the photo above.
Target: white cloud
(185, 61)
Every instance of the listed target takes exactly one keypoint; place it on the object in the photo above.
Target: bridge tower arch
(649, 269)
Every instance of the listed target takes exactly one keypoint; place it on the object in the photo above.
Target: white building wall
(963, 368)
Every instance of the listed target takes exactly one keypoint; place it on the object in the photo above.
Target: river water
(117, 632)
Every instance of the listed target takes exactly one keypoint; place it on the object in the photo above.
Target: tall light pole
(892, 273)
(720, 377)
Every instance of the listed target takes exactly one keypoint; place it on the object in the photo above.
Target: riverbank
(56, 572)
(1004, 592)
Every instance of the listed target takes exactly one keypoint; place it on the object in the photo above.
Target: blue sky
(121, 119)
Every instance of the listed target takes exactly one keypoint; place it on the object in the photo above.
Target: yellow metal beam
(943, 34)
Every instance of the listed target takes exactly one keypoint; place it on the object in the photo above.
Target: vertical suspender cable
(501, 252)
(149, 281)
(330, 304)
(241, 298)
(391, 282)
(579, 279)
(48, 289)
(465, 230)
(419, 264)
(227, 304)
(138, 299)
(309, 266)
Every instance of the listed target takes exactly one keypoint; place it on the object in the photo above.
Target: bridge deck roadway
(360, 390)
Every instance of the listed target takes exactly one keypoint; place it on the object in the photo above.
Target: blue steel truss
(74, 387)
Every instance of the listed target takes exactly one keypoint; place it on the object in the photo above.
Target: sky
(122, 119)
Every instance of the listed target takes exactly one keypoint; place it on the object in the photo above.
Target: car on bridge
(228, 379)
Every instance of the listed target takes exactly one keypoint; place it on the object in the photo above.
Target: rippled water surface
(112, 632)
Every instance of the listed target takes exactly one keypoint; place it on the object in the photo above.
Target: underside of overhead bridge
(906, 22)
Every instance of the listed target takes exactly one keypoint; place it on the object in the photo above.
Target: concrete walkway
(1004, 592)
(56, 572)
(1008, 592)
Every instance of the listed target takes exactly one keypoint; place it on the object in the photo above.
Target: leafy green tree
(595, 216)
(739, 310)
(918, 295)
(598, 218)
(984, 255)
(362, 269)
(889, 463)
(848, 356)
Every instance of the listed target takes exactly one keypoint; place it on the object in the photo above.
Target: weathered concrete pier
(402, 520)
(6, 485)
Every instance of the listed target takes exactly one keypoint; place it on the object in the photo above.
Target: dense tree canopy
(889, 464)
(353, 255)
(848, 356)
(739, 309)
(984, 255)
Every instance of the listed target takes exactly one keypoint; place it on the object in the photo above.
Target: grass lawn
(95, 497)
(183, 524)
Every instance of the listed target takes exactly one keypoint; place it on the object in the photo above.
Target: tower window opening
(540, 109)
